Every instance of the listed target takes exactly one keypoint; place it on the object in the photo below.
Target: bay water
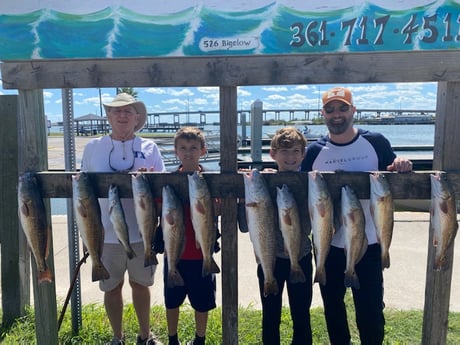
(416, 135)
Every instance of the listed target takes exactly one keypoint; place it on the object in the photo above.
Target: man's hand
(400, 165)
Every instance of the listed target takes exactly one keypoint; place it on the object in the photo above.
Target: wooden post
(33, 156)
(15, 274)
(445, 157)
(256, 131)
(229, 242)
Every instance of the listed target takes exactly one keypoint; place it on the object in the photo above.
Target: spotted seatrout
(201, 210)
(321, 210)
(260, 215)
(291, 229)
(353, 223)
(443, 218)
(117, 217)
(172, 220)
(34, 222)
(146, 215)
(382, 211)
(88, 217)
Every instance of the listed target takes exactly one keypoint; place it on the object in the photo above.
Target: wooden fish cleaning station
(23, 135)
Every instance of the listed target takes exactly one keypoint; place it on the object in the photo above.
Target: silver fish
(172, 220)
(443, 211)
(260, 215)
(353, 223)
(34, 222)
(88, 217)
(201, 210)
(291, 229)
(321, 210)
(117, 217)
(382, 211)
(146, 215)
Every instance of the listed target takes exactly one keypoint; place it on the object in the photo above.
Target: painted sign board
(75, 29)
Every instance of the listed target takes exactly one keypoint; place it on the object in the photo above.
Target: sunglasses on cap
(342, 108)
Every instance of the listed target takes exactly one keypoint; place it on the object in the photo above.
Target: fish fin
(174, 279)
(386, 260)
(444, 207)
(320, 277)
(321, 209)
(251, 204)
(297, 276)
(200, 207)
(270, 288)
(150, 259)
(24, 209)
(209, 266)
(169, 218)
(351, 280)
(82, 210)
(99, 272)
(130, 253)
(45, 276)
(287, 218)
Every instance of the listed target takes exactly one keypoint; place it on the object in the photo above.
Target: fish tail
(209, 266)
(130, 253)
(45, 276)
(385, 260)
(440, 263)
(99, 272)
(270, 287)
(297, 275)
(174, 279)
(150, 259)
(351, 280)
(320, 276)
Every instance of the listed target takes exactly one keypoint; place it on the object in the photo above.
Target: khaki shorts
(117, 263)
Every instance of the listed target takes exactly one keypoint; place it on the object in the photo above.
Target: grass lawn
(402, 327)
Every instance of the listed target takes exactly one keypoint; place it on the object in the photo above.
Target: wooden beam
(445, 156)
(13, 303)
(229, 242)
(417, 66)
(33, 156)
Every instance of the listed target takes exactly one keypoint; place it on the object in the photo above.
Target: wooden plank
(415, 185)
(376, 67)
(13, 306)
(33, 156)
(445, 156)
(229, 242)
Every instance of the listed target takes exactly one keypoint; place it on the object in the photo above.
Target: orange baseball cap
(338, 94)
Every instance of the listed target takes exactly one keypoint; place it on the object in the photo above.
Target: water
(396, 134)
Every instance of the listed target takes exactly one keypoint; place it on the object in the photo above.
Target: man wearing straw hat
(123, 151)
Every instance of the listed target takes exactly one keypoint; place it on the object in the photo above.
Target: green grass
(402, 327)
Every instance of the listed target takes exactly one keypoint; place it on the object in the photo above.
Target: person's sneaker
(151, 340)
(116, 341)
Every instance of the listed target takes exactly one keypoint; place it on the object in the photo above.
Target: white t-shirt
(106, 155)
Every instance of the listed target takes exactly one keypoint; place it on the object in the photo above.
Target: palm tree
(128, 90)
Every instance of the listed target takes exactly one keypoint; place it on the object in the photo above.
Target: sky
(413, 96)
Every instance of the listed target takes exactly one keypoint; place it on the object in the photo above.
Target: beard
(339, 127)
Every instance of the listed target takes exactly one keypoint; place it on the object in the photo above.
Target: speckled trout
(117, 217)
(353, 223)
(201, 210)
(32, 215)
(444, 223)
(146, 215)
(88, 217)
(172, 221)
(382, 211)
(289, 222)
(321, 210)
(260, 215)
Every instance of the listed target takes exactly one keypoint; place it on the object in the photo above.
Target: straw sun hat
(123, 99)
